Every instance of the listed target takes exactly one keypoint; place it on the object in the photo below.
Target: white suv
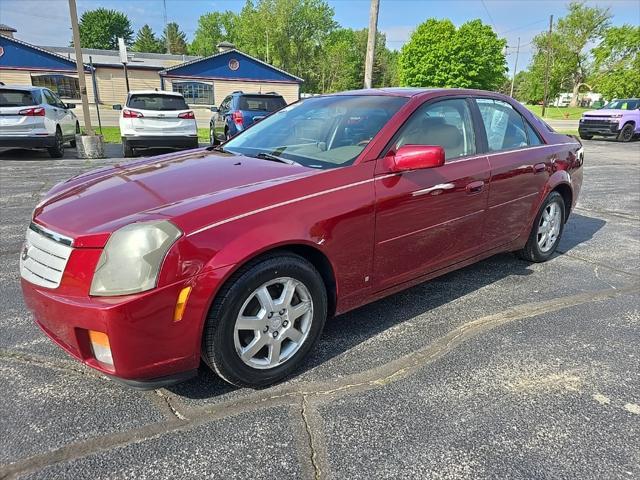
(156, 119)
(34, 117)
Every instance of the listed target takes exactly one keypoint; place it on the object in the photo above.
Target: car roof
(26, 88)
(256, 94)
(154, 92)
(413, 91)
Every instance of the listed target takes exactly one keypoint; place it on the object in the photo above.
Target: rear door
(67, 119)
(520, 167)
(54, 111)
(156, 114)
(220, 119)
(18, 110)
(431, 218)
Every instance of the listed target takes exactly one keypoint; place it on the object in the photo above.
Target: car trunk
(17, 113)
(256, 107)
(160, 115)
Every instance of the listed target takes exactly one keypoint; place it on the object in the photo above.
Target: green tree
(213, 28)
(617, 63)
(146, 41)
(571, 62)
(174, 39)
(439, 55)
(289, 34)
(101, 28)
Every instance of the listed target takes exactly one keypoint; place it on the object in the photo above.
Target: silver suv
(35, 117)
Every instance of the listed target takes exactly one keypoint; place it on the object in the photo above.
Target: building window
(195, 92)
(63, 85)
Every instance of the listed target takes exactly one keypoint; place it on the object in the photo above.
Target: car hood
(604, 112)
(90, 206)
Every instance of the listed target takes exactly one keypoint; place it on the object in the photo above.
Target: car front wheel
(547, 230)
(265, 321)
(626, 134)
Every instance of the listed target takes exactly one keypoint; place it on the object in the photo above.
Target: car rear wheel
(626, 134)
(265, 321)
(547, 230)
(212, 136)
(127, 149)
(72, 143)
(57, 150)
(586, 137)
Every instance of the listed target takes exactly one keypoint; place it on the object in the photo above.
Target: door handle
(539, 168)
(475, 187)
(436, 188)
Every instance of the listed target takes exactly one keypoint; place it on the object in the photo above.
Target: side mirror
(214, 109)
(415, 157)
(70, 106)
(117, 106)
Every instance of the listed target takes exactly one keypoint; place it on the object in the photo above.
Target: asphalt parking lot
(501, 370)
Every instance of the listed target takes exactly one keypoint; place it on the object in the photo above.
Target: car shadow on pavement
(346, 331)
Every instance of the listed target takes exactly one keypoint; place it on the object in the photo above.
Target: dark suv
(239, 111)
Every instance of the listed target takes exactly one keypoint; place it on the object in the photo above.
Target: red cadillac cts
(237, 254)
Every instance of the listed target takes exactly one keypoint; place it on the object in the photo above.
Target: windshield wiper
(275, 158)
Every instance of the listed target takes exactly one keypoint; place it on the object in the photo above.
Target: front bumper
(603, 128)
(149, 349)
(43, 141)
(177, 141)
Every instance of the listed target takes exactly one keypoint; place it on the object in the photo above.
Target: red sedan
(238, 254)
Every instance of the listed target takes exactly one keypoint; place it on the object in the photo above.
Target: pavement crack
(45, 362)
(169, 404)
(304, 408)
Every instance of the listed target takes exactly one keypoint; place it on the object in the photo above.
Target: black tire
(218, 347)
(127, 149)
(57, 150)
(72, 143)
(626, 134)
(586, 137)
(227, 137)
(532, 251)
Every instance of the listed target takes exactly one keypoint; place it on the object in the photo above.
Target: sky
(46, 22)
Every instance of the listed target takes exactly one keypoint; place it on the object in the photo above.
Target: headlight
(131, 260)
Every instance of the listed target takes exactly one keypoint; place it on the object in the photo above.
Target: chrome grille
(44, 257)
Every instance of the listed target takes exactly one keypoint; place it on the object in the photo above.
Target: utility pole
(167, 42)
(80, 67)
(515, 68)
(546, 68)
(371, 43)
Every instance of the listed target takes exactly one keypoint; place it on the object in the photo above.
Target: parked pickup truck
(619, 118)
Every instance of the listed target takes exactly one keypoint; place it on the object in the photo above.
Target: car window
(446, 123)
(319, 132)
(157, 102)
(532, 135)
(626, 104)
(261, 103)
(226, 103)
(16, 98)
(48, 97)
(503, 124)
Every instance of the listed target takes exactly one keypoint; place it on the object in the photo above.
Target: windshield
(16, 98)
(319, 132)
(632, 104)
(261, 103)
(157, 102)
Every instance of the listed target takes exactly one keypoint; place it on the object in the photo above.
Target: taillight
(32, 112)
(237, 118)
(131, 114)
(188, 115)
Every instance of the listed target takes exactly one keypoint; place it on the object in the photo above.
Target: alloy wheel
(549, 227)
(273, 323)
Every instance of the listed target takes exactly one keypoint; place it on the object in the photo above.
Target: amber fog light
(101, 348)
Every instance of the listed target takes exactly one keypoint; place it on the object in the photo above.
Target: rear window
(17, 98)
(157, 102)
(261, 103)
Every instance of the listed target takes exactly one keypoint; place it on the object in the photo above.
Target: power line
(490, 17)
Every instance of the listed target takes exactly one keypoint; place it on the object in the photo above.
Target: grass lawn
(559, 113)
(112, 134)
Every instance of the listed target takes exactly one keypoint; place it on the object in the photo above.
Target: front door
(520, 167)
(431, 218)
(221, 117)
